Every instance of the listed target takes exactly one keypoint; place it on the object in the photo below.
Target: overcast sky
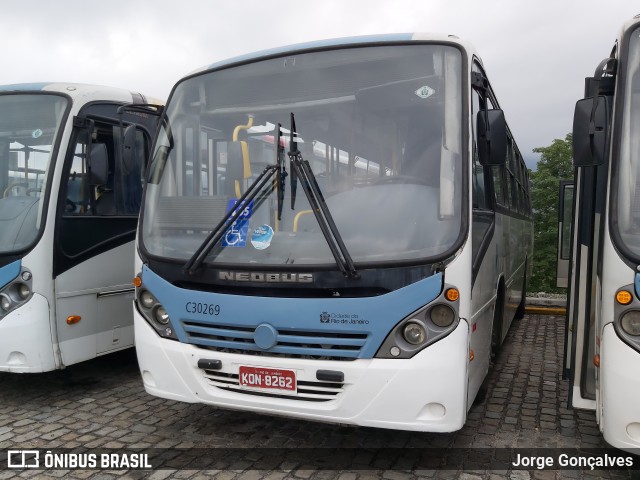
(536, 53)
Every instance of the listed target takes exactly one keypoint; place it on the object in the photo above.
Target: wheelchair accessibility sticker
(236, 235)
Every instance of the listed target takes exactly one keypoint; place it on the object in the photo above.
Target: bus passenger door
(565, 217)
(584, 294)
(96, 223)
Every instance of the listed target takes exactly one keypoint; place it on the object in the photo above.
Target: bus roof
(631, 23)
(80, 90)
(339, 42)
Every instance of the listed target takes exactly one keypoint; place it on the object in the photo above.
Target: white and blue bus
(337, 231)
(602, 350)
(72, 159)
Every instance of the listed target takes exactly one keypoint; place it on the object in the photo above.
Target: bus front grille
(287, 343)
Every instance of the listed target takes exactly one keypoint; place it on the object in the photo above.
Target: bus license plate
(269, 379)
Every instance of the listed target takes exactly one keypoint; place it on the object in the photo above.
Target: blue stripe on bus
(334, 42)
(23, 87)
(638, 285)
(351, 327)
(9, 272)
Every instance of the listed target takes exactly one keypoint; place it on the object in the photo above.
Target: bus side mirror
(99, 164)
(492, 137)
(129, 149)
(590, 131)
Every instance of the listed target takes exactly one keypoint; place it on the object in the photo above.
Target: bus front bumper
(425, 393)
(619, 395)
(25, 338)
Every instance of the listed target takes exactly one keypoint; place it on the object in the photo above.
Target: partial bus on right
(602, 349)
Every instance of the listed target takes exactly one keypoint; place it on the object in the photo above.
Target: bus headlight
(153, 311)
(429, 324)
(161, 315)
(414, 333)
(630, 322)
(147, 299)
(5, 302)
(627, 316)
(16, 293)
(23, 290)
(442, 315)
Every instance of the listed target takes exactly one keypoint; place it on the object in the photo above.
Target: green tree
(554, 165)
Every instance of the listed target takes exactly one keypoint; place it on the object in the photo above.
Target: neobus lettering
(266, 277)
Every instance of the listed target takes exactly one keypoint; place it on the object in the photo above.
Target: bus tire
(519, 315)
(481, 396)
(498, 317)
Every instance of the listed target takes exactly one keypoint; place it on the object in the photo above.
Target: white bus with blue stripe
(338, 231)
(70, 192)
(602, 349)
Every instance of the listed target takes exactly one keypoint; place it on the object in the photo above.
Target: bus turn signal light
(624, 297)
(596, 360)
(452, 294)
(137, 281)
(73, 319)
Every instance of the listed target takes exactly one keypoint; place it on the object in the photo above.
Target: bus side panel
(483, 301)
(99, 291)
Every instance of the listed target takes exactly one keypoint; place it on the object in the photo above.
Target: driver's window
(24, 173)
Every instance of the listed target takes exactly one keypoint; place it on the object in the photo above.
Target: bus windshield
(628, 208)
(380, 128)
(29, 125)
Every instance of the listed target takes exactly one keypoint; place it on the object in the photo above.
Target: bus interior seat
(422, 147)
(102, 179)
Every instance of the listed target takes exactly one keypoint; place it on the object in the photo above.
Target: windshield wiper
(234, 213)
(281, 174)
(301, 169)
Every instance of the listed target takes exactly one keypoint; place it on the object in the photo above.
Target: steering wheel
(14, 185)
(70, 206)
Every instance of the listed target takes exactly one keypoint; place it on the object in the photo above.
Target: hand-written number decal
(203, 308)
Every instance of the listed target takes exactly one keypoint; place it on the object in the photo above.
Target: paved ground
(102, 404)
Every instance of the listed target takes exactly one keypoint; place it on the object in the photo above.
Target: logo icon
(261, 237)
(325, 317)
(23, 459)
(425, 92)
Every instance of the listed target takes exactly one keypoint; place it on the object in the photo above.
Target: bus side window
(479, 187)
